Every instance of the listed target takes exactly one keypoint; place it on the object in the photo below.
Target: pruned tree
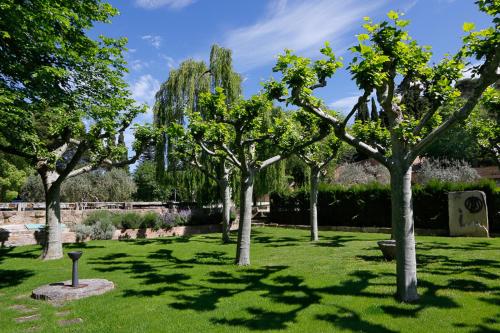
(240, 133)
(395, 68)
(317, 157)
(63, 99)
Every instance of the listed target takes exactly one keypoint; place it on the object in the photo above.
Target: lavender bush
(175, 218)
(446, 170)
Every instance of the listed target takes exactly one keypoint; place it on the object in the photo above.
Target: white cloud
(155, 41)
(144, 89)
(171, 63)
(299, 25)
(345, 104)
(138, 64)
(174, 4)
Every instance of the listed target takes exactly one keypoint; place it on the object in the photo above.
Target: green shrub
(103, 229)
(370, 205)
(97, 225)
(98, 215)
(83, 232)
(128, 220)
(151, 220)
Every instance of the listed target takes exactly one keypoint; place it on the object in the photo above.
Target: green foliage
(410, 91)
(115, 185)
(369, 205)
(252, 128)
(98, 215)
(151, 220)
(13, 174)
(62, 93)
(128, 220)
(123, 220)
(148, 187)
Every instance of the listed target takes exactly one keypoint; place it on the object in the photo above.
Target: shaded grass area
(340, 284)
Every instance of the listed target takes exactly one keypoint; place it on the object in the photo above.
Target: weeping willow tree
(177, 97)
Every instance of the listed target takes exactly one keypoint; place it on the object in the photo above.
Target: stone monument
(468, 214)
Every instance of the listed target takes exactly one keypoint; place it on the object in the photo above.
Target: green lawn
(340, 284)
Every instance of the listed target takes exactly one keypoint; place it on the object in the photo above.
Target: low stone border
(175, 231)
(419, 232)
(20, 238)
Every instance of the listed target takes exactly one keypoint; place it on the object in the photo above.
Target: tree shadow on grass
(15, 253)
(474, 246)
(82, 246)
(170, 283)
(335, 241)
(14, 277)
(269, 282)
(348, 319)
(200, 258)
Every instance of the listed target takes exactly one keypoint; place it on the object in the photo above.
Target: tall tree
(317, 157)
(177, 97)
(62, 95)
(242, 133)
(391, 65)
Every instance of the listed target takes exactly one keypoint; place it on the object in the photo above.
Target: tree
(115, 185)
(317, 156)
(410, 93)
(177, 97)
(241, 133)
(148, 187)
(13, 174)
(63, 98)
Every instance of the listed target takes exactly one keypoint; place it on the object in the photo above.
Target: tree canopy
(392, 67)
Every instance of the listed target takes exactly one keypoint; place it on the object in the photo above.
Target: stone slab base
(62, 291)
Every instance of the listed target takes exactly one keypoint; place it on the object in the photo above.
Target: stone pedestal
(63, 291)
(388, 248)
(468, 214)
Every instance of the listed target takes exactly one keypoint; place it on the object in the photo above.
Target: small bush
(83, 232)
(173, 219)
(445, 170)
(128, 220)
(103, 230)
(97, 216)
(151, 220)
(362, 173)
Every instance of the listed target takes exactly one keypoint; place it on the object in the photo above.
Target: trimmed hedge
(370, 205)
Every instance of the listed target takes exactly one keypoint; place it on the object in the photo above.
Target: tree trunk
(52, 248)
(245, 227)
(402, 222)
(313, 203)
(226, 207)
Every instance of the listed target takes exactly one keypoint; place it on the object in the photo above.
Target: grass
(340, 284)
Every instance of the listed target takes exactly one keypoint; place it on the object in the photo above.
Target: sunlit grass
(191, 285)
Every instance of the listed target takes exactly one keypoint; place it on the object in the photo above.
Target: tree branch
(361, 99)
(488, 77)
(340, 132)
(205, 148)
(425, 119)
(13, 151)
(231, 155)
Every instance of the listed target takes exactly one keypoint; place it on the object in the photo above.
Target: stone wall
(20, 238)
(30, 237)
(69, 217)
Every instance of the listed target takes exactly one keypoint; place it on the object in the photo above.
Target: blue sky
(163, 33)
